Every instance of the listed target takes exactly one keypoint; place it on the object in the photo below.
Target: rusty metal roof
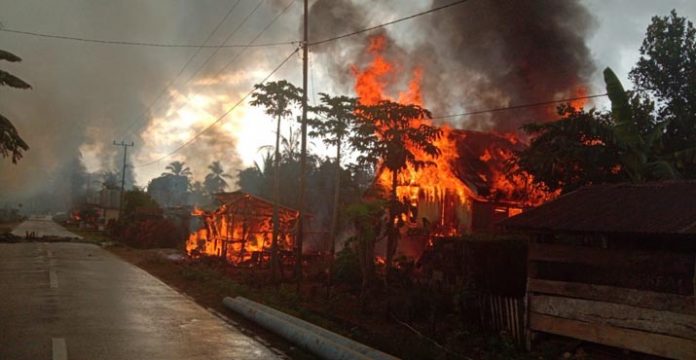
(652, 208)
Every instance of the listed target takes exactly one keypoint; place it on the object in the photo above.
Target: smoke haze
(478, 55)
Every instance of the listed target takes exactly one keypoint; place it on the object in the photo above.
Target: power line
(138, 43)
(249, 43)
(268, 26)
(181, 71)
(551, 102)
(386, 24)
(246, 18)
(221, 117)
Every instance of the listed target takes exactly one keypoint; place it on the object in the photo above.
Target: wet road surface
(42, 226)
(78, 301)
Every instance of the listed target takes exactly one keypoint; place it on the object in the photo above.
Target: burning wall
(241, 229)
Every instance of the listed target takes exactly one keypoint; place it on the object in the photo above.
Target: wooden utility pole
(123, 175)
(303, 155)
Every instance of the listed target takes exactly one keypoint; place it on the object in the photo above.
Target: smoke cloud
(477, 55)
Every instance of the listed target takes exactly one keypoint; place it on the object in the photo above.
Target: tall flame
(441, 181)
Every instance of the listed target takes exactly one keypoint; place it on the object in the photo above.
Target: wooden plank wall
(504, 314)
(657, 323)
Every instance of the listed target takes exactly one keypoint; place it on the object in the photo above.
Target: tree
(11, 144)
(215, 180)
(386, 134)
(577, 150)
(666, 71)
(278, 98)
(339, 118)
(640, 158)
(177, 168)
(366, 217)
(110, 180)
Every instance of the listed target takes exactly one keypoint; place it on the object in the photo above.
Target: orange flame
(239, 232)
(440, 184)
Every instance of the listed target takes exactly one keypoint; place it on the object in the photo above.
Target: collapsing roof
(245, 204)
(482, 159)
(654, 208)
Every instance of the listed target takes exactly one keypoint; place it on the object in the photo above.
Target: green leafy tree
(575, 151)
(386, 135)
(278, 99)
(11, 144)
(338, 119)
(215, 180)
(640, 158)
(666, 71)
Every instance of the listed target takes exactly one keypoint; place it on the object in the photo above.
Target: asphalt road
(42, 226)
(77, 301)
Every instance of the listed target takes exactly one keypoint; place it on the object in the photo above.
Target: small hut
(614, 265)
(241, 228)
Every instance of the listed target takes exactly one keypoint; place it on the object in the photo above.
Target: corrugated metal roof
(652, 208)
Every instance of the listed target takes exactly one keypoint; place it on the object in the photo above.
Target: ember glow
(445, 190)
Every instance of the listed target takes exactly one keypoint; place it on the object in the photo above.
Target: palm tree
(11, 144)
(177, 168)
(339, 113)
(215, 181)
(278, 98)
(385, 135)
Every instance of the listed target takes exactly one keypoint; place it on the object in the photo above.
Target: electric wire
(138, 43)
(521, 106)
(181, 71)
(222, 116)
(432, 10)
(237, 55)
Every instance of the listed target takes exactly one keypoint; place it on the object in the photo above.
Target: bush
(347, 268)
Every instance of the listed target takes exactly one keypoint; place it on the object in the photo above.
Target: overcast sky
(87, 95)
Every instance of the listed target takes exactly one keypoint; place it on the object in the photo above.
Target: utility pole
(123, 175)
(303, 157)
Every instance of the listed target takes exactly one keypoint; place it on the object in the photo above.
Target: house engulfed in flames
(241, 228)
(470, 187)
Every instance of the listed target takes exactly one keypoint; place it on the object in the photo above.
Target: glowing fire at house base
(241, 229)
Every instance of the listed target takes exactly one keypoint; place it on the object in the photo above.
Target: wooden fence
(504, 314)
(637, 300)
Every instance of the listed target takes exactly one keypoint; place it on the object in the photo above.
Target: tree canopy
(650, 132)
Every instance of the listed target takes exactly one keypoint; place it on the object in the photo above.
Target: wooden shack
(241, 228)
(614, 265)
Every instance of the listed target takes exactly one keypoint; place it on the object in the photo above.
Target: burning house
(240, 229)
(470, 186)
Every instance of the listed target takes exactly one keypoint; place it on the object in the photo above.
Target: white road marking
(60, 350)
(53, 278)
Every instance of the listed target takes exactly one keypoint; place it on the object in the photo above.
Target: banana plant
(639, 160)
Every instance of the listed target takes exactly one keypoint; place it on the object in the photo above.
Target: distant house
(169, 190)
(615, 264)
